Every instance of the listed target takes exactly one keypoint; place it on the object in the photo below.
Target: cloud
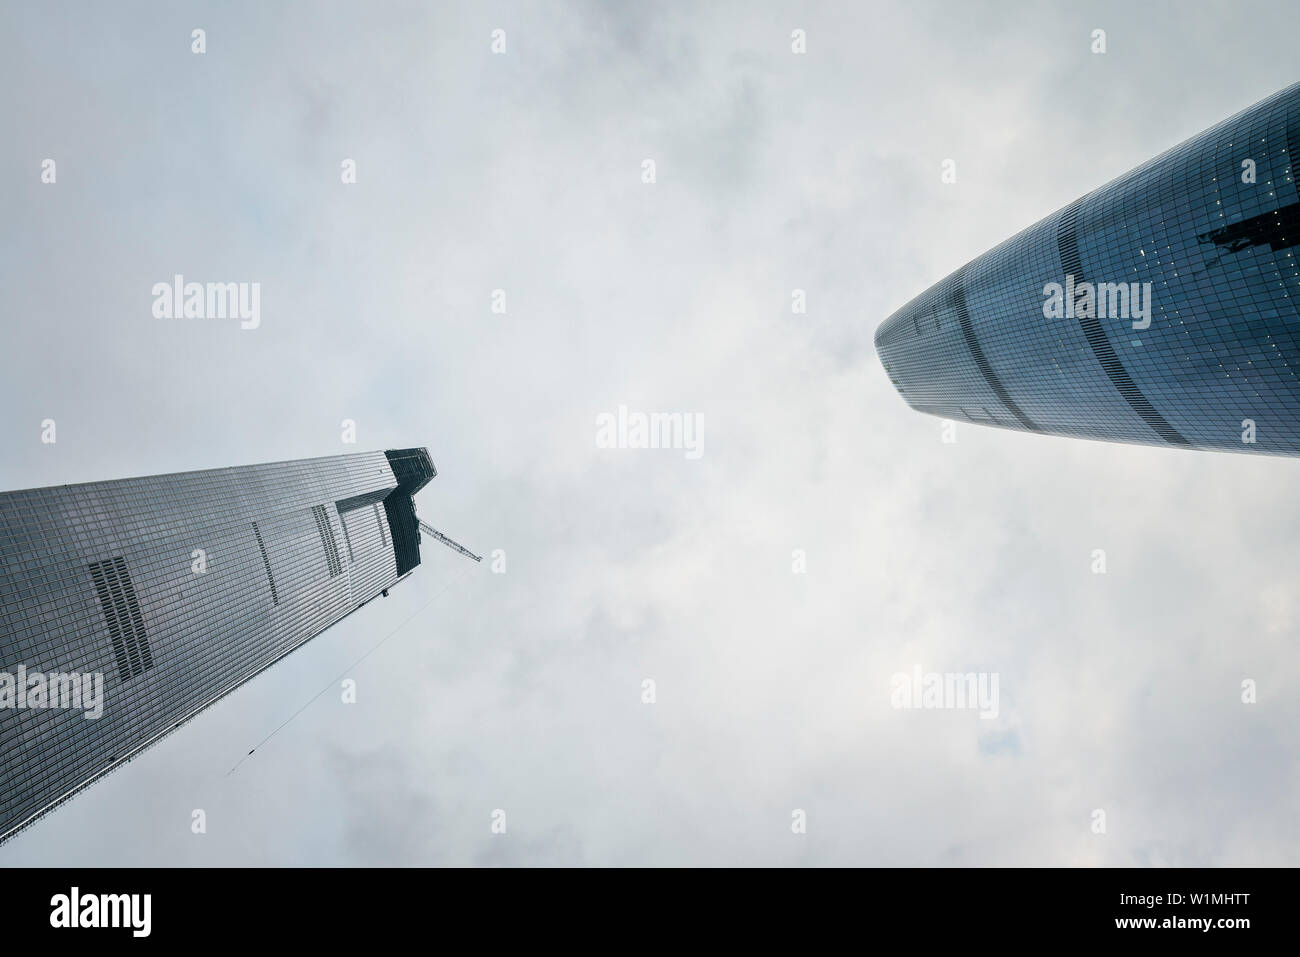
(523, 691)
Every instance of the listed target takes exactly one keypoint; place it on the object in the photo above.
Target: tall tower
(1162, 308)
(169, 592)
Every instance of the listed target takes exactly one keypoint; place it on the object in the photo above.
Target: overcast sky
(775, 171)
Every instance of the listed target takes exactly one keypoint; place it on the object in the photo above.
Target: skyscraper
(127, 607)
(1162, 308)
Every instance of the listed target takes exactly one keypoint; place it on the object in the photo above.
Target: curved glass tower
(1162, 308)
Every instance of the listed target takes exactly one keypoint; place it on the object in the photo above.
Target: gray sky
(775, 171)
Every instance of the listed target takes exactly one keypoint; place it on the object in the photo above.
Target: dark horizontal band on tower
(1067, 244)
(957, 302)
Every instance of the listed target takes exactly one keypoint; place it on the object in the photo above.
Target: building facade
(127, 607)
(1162, 308)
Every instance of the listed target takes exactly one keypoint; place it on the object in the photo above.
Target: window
(121, 607)
(328, 541)
(266, 563)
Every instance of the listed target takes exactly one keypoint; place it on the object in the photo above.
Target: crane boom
(430, 530)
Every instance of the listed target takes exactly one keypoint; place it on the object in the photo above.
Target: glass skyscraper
(1162, 308)
(127, 607)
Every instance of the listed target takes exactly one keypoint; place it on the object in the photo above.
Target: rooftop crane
(430, 530)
